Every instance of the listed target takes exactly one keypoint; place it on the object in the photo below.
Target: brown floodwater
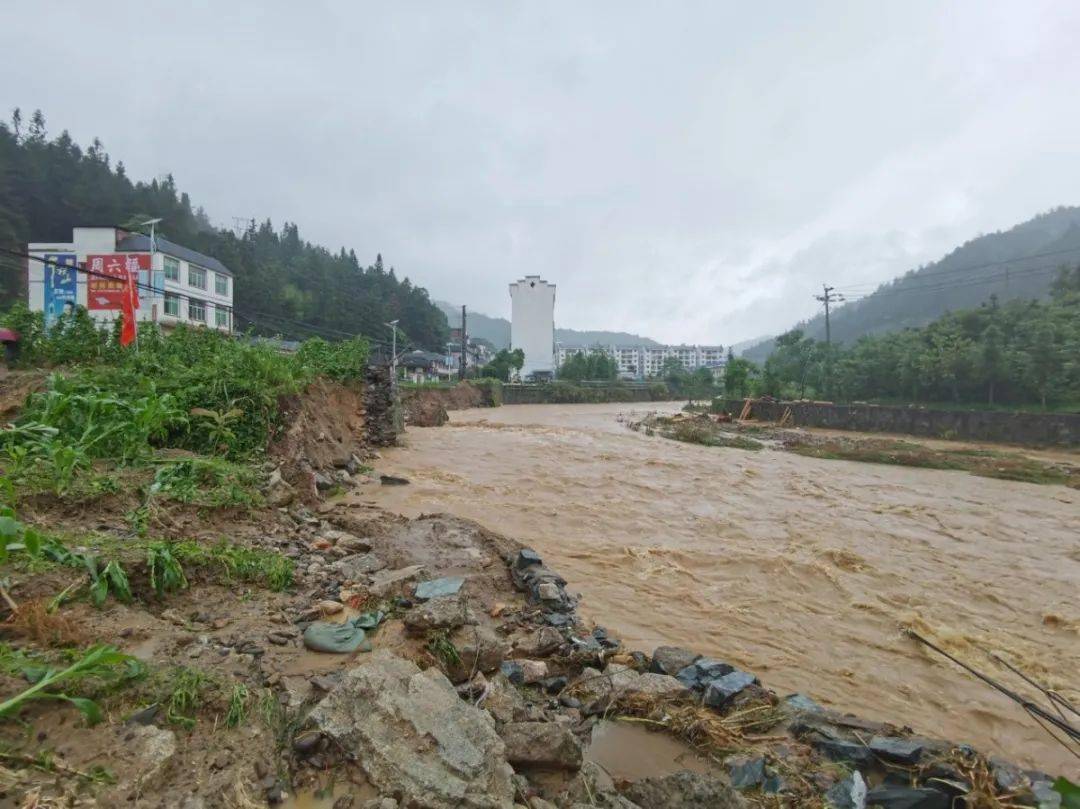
(804, 571)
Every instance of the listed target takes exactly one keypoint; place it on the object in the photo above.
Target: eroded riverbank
(804, 570)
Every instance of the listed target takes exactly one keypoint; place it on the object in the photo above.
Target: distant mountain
(1020, 262)
(497, 330)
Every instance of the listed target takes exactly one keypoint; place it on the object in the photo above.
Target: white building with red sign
(175, 284)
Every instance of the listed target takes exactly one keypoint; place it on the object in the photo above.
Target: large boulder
(544, 745)
(672, 659)
(415, 738)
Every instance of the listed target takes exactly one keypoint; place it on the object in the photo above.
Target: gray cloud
(691, 171)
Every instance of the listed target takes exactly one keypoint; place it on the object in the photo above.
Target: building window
(196, 310)
(221, 284)
(196, 277)
(172, 305)
(221, 317)
(172, 269)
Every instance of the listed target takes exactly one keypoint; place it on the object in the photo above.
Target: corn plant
(97, 662)
(166, 574)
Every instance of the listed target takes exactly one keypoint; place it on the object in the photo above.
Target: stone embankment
(1035, 429)
(502, 712)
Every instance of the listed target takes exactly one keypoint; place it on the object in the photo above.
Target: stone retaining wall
(1035, 429)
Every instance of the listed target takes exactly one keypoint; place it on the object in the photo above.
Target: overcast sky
(688, 171)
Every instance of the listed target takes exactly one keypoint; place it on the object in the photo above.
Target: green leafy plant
(215, 424)
(237, 711)
(443, 649)
(97, 662)
(166, 573)
(185, 695)
(239, 563)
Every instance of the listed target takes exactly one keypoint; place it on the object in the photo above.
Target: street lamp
(153, 247)
(393, 349)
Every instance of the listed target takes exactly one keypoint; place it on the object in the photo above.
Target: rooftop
(138, 243)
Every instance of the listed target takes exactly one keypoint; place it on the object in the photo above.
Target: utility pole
(829, 295)
(393, 351)
(464, 346)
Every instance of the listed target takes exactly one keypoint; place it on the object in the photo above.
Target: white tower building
(532, 324)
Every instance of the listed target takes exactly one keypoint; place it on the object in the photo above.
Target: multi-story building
(532, 325)
(639, 362)
(175, 284)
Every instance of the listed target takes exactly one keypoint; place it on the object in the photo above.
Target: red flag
(128, 304)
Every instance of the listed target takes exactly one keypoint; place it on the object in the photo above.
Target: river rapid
(801, 570)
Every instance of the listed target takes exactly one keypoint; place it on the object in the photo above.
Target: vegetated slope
(282, 282)
(497, 330)
(1018, 263)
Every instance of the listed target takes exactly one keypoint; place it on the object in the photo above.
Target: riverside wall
(1033, 429)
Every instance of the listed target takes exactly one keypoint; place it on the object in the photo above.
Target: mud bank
(803, 570)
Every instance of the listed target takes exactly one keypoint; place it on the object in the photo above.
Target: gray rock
(651, 684)
(439, 613)
(527, 557)
(1046, 797)
(672, 659)
(683, 790)
(701, 672)
(355, 568)
(745, 772)
(323, 482)
(512, 671)
(892, 748)
(800, 703)
(719, 691)
(436, 588)
(481, 649)
(548, 591)
(843, 751)
(383, 582)
(543, 641)
(544, 745)
(153, 749)
(890, 797)
(415, 738)
(346, 540)
(848, 794)
(502, 700)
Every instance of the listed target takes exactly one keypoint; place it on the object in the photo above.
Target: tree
(737, 374)
(503, 364)
(284, 285)
(991, 359)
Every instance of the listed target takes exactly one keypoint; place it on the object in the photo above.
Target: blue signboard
(61, 286)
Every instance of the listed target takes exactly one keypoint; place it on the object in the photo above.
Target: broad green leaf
(99, 591)
(1070, 793)
(9, 526)
(87, 707)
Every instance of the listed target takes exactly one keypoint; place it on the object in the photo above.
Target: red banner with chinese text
(108, 293)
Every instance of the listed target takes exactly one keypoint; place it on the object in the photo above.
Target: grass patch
(708, 435)
(443, 649)
(237, 563)
(984, 463)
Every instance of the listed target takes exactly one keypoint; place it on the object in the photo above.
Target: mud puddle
(630, 752)
(803, 570)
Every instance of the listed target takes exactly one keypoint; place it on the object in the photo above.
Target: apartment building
(640, 362)
(176, 284)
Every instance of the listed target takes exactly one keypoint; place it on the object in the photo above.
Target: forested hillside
(497, 330)
(1015, 353)
(1017, 264)
(284, 284)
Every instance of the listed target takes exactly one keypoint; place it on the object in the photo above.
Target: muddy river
(804, 571)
